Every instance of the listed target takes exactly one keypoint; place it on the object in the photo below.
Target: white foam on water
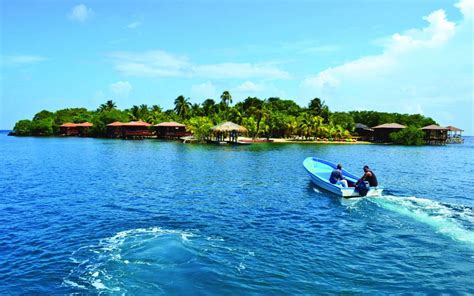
(445, 219)
(99, 285)
(139, 255)
(92, 272)
(73, 284)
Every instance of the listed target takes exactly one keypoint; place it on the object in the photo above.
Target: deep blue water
(141, 217)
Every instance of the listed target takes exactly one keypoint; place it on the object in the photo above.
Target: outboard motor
(363, 188)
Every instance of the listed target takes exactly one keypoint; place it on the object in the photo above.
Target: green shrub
(411, 135)
(200, 127)
(22, 128)
(42, 127)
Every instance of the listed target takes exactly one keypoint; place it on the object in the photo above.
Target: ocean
(89, 216)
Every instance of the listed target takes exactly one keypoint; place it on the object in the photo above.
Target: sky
(407, 56)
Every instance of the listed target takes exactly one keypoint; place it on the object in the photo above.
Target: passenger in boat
(337, 177)
(369, 176)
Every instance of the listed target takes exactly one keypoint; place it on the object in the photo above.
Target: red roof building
(170, 130)
(75, 129)
(129, 130)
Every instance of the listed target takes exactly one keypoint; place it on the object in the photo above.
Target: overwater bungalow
(454, 135)
(170, 130)
(364, 132)
(129, 130)
(382, 132)
(75, 129)
(435, 134)
(227, 132)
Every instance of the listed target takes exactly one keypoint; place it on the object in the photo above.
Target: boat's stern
(351, 192)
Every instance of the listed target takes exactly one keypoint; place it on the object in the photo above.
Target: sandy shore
(292, 141)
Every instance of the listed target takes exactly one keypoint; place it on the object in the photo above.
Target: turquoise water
(140, 217)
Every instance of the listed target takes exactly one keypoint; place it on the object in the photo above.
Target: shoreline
(249, 140)
(296, 141)
(289, 141)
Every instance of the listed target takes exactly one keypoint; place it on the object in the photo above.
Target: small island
(260, 120)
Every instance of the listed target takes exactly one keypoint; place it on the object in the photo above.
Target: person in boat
(369, 176)
(337, 177)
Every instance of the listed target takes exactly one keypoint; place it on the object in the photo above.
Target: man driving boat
(369, 176)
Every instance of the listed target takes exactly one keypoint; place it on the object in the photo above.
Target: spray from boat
(456, 222)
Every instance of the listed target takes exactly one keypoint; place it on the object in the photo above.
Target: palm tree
(182, 107)
(196, 109)
(317, 123)
(306, 124)
(234, 115)
(109, 105)
(226, 99)
(316, 106)
(259, 111)
(209, 107)
(292, 126)
(156, 109)
(144, 112)
(134, 113)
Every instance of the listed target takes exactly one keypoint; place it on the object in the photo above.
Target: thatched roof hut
(454, 129)
(454, 135)
(170, 130)
(170, 124)
(362, 126)
(228, 126)
(221, 131)
(364, 132)
(390, 126)
(382, 132)
(435, 134)
(434, 127)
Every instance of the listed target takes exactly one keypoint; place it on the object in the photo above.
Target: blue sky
(400, 56)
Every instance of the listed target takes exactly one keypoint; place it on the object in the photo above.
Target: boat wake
(457, 222)
(147, 260)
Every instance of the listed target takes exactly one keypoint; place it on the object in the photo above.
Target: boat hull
(319, 171)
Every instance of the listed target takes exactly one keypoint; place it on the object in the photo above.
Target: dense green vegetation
(272, 117)
(410, 135)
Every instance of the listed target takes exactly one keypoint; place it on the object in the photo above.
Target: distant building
(454, 135)
(382, 132)
(435, 134)
(170, 130)
(364, 132)
(129, 130)
(75, 129)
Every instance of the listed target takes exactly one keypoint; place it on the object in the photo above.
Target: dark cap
(339, 166)
(366, 167)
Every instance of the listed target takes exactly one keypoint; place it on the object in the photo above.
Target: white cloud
(159, 63)
(466, 7)
(251, 87)
(16, 60)
(204, 90)
(419, 70)
(134, 25)
(80, 13)
(150, 63)
(121, 88)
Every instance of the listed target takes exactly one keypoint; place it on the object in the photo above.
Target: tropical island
(271, 118)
